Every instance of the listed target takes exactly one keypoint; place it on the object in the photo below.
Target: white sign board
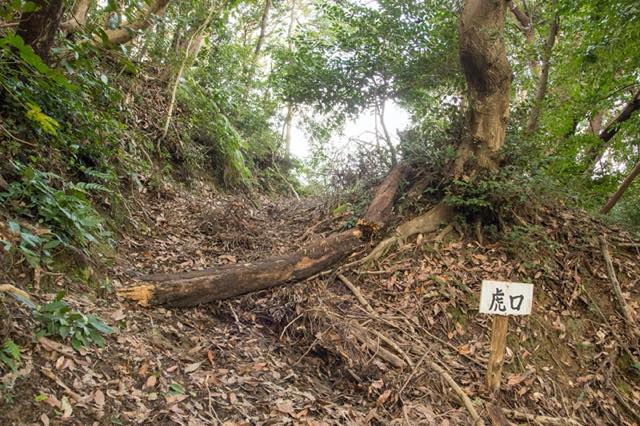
(505, 298)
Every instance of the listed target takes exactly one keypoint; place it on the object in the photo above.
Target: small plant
(63, 211)
(58, 319)
(10, 354)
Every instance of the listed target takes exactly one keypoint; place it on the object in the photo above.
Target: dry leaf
(383, 398)
(98, 398)
(151, 382)
(192, 367)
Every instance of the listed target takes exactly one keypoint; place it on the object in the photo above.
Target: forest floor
(312, 353)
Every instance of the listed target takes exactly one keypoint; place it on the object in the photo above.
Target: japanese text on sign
(505, 298)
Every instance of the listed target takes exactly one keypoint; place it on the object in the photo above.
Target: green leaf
(41, 397)
(76, 344)
(176, 389)
(99, 325)
(10, 348)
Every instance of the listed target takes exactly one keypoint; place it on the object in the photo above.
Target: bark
(595, 123)
(621, 190)
(379, 112)
(39, 28)
(488, 74)
(79, 15)
(287, 130)
(194, 288)
(595, 154)
(263, 28)
(614, 126)
(543, 81)
(144, 20)
(191, 52)
(527, 29)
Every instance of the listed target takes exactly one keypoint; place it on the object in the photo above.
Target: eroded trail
(226, 356)
(222, 362)
(323, 352)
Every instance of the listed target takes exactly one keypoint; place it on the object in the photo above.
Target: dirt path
(291, 355)
(213, 364)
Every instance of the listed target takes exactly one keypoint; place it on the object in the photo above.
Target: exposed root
(466, 401)
(439, 215)
(545, 420)
(615, 285)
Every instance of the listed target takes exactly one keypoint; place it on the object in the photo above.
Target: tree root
(545, 420)
(615, 285)
(430, 221)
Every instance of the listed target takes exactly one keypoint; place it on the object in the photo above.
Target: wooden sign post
(502, 299)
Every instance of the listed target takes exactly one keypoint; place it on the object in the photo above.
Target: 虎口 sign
(505, 298)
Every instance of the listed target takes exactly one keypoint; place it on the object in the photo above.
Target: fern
(10, 354)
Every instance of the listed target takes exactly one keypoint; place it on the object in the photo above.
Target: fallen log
(198, 287)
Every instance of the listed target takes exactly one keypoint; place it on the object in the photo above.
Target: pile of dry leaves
(394, 342)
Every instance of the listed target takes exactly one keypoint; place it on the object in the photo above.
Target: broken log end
(141, 294)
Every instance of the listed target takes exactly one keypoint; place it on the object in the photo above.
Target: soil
(292, 355)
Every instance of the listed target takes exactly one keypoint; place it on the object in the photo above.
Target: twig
(547, 420)
(284, 330)
(615, 284)
(413, 372)
(79, 398)
(393, 346)
(477, 421)
(438, 339)
(17, 139)
(357, 293)
(377, 349)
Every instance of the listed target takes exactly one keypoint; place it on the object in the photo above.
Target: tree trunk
(541, 90)
(379, 113)
(288, 122)
(529, 33)
(190, 53)
(263, 28)
(488, 74)
(194, 288)
(38, 28)
(287, 129)
(594, 155)
(144, 20)
(623, 187)
(79, 15)
(614, 126)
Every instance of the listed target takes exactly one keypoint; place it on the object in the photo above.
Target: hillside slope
(314, 352)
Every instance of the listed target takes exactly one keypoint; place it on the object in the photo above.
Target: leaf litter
(312, 353)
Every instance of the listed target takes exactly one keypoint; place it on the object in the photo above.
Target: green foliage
(58, 319)
(354, 54)
(10, 354)
(176, 389)
(501, 193)
(61, 209)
